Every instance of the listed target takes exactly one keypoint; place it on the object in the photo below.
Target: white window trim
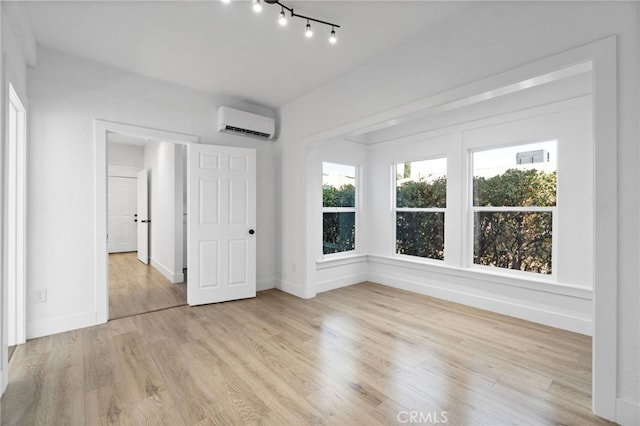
(421, 209)
(394, 203)
(349, 253)
(471, 209)
(347, 258)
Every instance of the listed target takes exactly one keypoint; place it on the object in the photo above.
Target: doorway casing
(101, 129)
(16, 217)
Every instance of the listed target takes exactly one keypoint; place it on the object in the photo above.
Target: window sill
(340, 260)
(492, 277)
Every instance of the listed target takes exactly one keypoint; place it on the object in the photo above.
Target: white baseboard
(168, 273)
(627, 412)
(265, 284)
(529, 313)
(292, 288)
(60, 324)
(329, 285)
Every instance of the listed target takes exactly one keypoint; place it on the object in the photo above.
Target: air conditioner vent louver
(232, 129)
(245, 123)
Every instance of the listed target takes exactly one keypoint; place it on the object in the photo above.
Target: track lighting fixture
(282, 19)
(308, 32)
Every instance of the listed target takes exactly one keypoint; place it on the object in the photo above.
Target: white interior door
(221, 217)
(143, 215)
(122, 210)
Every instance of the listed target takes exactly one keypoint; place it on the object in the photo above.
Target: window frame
(472, 210)
(353, 210)
(395, 209)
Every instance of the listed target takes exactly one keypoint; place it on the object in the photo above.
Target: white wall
(165, 206)
(490, 39)
(14, 47)
(119, 154)
(67, 94)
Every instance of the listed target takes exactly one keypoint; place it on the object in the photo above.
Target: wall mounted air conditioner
(245, 123)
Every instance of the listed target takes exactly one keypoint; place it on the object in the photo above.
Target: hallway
(136, 288)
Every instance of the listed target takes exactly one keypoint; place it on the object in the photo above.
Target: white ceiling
(227, 49)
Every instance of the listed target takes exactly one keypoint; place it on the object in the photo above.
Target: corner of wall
(292, 288)
(266, 284)
(167, 273)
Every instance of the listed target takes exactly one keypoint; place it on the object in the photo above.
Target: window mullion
(513, 209)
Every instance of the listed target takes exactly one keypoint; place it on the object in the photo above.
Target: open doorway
(221, 215)
(146, 242)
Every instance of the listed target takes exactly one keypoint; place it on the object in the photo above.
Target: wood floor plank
(98, 357)
(107, 406)
(242, 402)
(365, 354)
(193, 405)
(284, 403)
(62, 397)
(139, 376)
(341, 407)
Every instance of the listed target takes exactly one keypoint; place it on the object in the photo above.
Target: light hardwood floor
(136, 288)
(365, 354)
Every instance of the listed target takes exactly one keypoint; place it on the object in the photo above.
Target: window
(338, 208)
(514, 202)
(421, 199)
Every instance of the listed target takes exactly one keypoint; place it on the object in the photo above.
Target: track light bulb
(283, 18)
(308, 33)
(225, 1)
(257, 7)
(332, 38)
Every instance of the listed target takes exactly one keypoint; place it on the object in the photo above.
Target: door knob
(145, 221)
(251, 232)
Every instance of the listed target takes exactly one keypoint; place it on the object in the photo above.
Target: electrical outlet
(40, 295)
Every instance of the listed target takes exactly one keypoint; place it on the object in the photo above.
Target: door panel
(238, 193)
(143, 216)
(221, 212)
(209, 201)
(238, 258)
(209, 264)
